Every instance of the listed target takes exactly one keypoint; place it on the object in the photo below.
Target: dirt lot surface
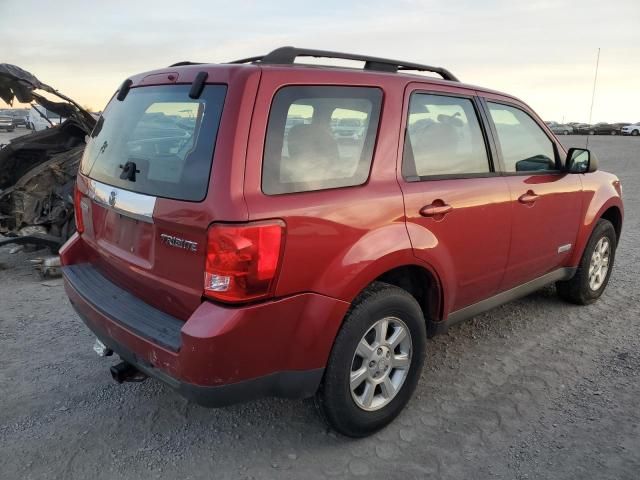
(534, 389)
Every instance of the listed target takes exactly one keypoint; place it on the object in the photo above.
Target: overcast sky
(543, 51)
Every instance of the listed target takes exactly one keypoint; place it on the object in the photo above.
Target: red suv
(234, 243)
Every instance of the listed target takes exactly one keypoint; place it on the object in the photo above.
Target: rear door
(145, 174)
(545, 200)
(457, 205)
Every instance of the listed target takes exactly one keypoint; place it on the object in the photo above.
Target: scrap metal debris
(38, 170)
(49, 267)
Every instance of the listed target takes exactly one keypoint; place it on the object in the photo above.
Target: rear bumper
(293, 384)
(220, 355)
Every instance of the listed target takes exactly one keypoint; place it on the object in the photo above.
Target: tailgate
(145, 173)
(160, 260)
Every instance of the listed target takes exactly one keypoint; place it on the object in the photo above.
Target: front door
(545, 200)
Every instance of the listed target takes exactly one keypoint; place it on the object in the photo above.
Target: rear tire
(587, 285)
(374, 366)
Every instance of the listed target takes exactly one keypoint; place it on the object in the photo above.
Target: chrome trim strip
(130, 204)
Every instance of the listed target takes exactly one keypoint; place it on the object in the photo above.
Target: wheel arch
(422, 284)
(614, 215)
(418, 279)
(611, 210)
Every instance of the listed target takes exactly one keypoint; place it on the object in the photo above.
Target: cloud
(542, 51)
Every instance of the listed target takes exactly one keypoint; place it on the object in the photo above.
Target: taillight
(242, 260)
(77, 208)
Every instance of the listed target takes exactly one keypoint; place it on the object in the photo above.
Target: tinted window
(443, 138)
(320, 137)
(161, 133)
(525, 147)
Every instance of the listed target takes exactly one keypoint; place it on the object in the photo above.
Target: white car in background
(40, 118)
(633, 129)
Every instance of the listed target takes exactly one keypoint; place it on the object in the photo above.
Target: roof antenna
(593, 94)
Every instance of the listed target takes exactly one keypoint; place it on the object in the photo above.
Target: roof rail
(183, 64)
(288, 55)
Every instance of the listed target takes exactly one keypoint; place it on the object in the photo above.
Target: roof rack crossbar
(288, 55)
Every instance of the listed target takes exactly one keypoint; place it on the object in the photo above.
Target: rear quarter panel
(338, 240)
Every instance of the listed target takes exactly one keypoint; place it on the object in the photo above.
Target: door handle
(528, 198)
(437, 209)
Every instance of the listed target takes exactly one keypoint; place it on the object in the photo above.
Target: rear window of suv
(157, 141)
(320, 137)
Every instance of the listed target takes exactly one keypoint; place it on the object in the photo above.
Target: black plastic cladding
(198, 85)
(124, 89)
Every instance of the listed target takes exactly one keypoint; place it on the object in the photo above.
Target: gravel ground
(534, 389)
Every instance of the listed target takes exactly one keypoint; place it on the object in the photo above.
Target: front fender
(601, 191)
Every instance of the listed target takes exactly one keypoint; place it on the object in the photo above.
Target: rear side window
(157, 141)
(525, 147)
(443, 137)
(320, 137)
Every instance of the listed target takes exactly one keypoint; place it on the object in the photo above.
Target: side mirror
(581, 160)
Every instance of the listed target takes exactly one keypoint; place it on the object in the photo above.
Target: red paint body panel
(224, 344)
(337, 240)
(599, 194)
(468, 246)
(539, 229)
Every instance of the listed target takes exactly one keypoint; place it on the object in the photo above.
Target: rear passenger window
(443, 138)
(525, 147)
(319, 138)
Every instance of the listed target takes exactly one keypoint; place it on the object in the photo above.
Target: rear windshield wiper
(129, 171)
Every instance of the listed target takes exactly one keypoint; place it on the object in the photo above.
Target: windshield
(157, 141)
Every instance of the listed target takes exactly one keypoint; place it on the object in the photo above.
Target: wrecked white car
(38, 170)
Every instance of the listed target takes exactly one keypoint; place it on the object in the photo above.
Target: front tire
(635, 133)
(375, 362)
(596, 265)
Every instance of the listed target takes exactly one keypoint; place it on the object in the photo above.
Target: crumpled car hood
(38, 170)
(18, 84)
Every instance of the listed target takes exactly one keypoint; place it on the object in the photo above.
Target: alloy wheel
(380, 364)
(599, 265)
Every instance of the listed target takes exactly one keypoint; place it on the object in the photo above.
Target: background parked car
(6, 123)
(349, 128)
(604, 128)
(559, 129)
(633, 129)
(40, 118)
(582, 128)
(19, 116)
